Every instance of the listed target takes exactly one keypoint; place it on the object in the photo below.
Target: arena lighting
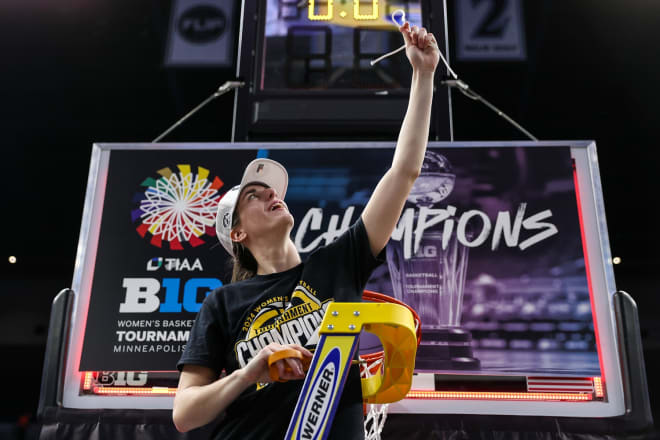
(616, 260)
(152, 391)
(598, 387)
(87, 383)
(12, 259)
(476, 395)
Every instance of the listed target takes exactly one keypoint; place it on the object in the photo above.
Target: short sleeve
(206, 341)
(352, 251)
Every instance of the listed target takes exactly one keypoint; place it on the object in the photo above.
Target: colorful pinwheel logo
(177, 207)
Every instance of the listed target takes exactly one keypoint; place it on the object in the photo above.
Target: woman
(277, 301)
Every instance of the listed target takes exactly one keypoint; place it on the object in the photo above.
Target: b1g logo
(143, 295)
(121, 378)
(177, 207)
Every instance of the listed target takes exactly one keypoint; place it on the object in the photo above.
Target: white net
(375, 414)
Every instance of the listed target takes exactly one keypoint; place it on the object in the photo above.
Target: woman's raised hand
(421, 48)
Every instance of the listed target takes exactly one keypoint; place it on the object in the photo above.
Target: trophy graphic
(431, 278)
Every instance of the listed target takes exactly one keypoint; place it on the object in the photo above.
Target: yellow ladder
(339, 333)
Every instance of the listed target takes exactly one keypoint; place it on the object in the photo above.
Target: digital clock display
(316, 45)
(355, 13)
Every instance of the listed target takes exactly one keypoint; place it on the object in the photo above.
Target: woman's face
(262, 213)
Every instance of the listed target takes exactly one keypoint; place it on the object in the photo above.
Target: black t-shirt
(237, 320)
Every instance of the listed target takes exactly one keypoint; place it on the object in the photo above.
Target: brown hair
(244, 265)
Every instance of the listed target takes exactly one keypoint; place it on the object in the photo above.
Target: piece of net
(375, 414)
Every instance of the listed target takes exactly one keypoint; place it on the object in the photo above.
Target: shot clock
(360, 13)
(308, 67)
(326, 10)
(320, 45)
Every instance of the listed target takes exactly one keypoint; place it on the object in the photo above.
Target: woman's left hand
(421, 48)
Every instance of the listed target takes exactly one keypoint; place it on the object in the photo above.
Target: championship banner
(200, 34)
(488, 251)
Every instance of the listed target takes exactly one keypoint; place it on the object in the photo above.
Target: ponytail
(244, 264)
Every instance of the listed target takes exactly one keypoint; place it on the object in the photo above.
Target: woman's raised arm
(384, 207)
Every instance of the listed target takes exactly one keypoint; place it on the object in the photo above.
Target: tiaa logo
(174, 264)
(202, 24)
(320, 397)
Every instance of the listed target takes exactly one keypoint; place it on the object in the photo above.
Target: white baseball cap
(264, 171)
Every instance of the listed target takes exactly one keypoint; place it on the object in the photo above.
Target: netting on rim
(375, 414)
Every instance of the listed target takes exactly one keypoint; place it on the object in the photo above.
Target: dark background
(74, 72)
